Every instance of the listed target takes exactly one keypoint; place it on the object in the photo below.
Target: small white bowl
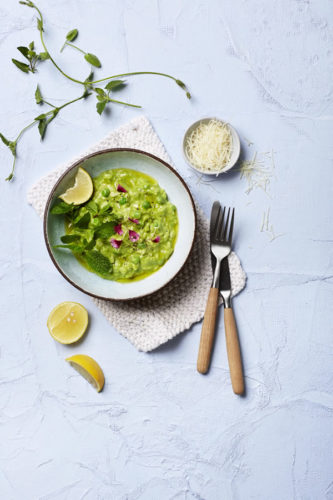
(235, 146)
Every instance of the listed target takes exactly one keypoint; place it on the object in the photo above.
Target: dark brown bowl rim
(78, 162)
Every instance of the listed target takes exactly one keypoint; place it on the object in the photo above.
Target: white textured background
(159, 430)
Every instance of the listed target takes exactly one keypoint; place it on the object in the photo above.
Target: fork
(220, 247)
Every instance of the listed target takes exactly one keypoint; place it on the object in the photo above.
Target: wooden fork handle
(208, 331)
(233, 351)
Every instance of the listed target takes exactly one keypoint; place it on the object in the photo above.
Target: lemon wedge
(81, 191)
(67, 322)
(89, 369)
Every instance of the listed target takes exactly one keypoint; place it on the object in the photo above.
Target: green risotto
(126, 231)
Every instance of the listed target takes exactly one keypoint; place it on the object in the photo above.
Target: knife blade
(225, 284)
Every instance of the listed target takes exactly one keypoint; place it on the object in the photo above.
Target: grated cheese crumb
(209, 146)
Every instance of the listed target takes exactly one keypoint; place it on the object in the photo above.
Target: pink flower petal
(157, 239)
(134, 220)
(121, 189)
(118, 229)
(116, 243)
(133, 236)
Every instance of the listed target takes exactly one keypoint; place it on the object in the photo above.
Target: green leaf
(181, 84)
(101, 93)
(100, 106)
(60, 207)
(90, 245)
(105, 230)
(42, 125)
(71, 246)
(28, 3)
(93, 60)
(188, 95)
(70, 238)
(43, 56)
(22, 66)
(12, 147)
(40, 24)
(82, 222)
(38, 96)
(24, 51)
(41, 117)
(32, 45)
(115, 84)
(98, 262)
(4, 140)
(92, 207)
(72, 35)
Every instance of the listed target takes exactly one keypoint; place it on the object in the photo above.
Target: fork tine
(218, 223)
(219, 233)
(226, 226)
(231, 226)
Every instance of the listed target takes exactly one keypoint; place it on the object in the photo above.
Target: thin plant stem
(75, 47)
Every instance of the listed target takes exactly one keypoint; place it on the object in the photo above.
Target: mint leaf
(105, 230)
(70, 238)
(71, 246)
(22, 66)
(98, 262)
(93, 60)
(115, 84)
(82, 222)
(92, 207)
(38, 96)
(72, 35)
(60, 207)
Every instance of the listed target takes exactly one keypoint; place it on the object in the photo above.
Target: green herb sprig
(104, 96)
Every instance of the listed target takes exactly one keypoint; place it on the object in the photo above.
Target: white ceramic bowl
(235, 146)
(179, 195)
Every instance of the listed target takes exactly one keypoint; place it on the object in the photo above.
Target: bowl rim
(78, 162)
(233, 131)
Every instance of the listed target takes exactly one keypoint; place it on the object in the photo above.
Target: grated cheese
(209, 146)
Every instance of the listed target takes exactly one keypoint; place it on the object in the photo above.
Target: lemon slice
(81, 191)
(89, 369)
(67, 322)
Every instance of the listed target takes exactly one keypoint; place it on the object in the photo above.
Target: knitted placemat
(151, 321)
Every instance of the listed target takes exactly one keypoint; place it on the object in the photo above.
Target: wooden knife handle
(208, 331)
(233, 351)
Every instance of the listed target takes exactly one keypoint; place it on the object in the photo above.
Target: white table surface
(159, 430)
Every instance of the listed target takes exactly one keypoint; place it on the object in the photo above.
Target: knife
(232, 341)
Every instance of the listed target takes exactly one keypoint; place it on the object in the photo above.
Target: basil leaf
(93, 60)
(83, 221)
(60, 207)
(98, 262)
(115, 84)
(72, 35)
(38, 96)
(24, 51)
(32, 45)
(100, 106)
(22, 66)
(105, 230)
(70, 238)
